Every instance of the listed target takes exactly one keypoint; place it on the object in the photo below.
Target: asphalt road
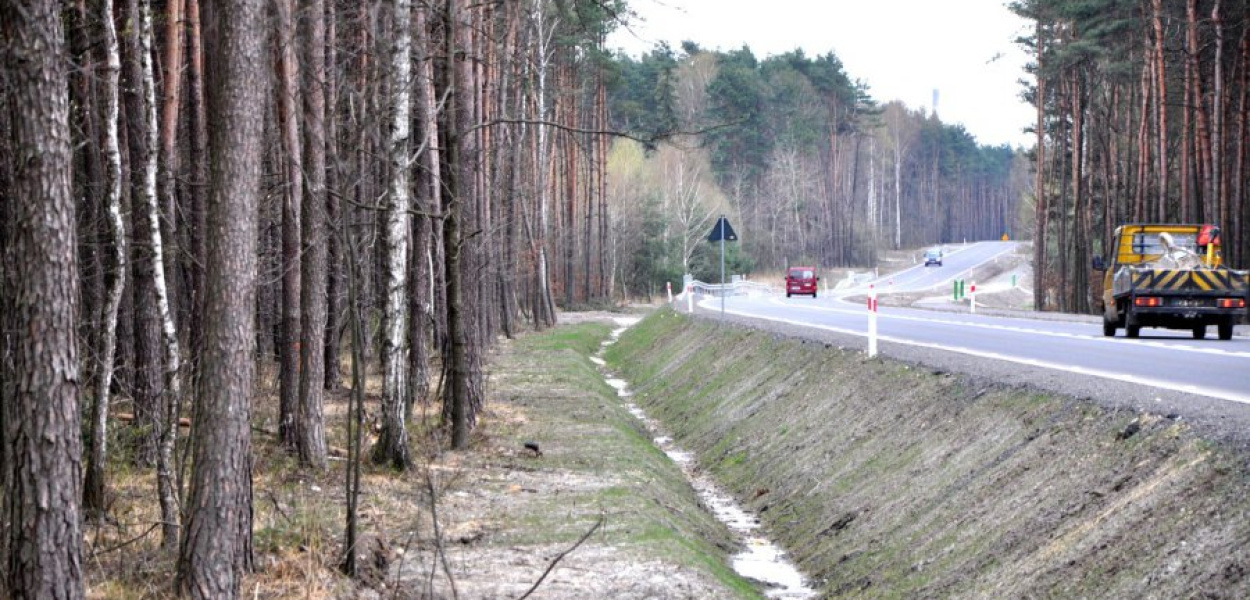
(958, 262)
(1162, 359)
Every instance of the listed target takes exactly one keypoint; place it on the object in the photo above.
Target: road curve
(1161, 359)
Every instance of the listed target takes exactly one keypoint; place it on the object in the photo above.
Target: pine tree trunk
(88, 176)
(289, 340)
(1192, 99)
(1239, 241)
(429, 199)
(216, 547)
(171, 101)
(310, 441)
(1161, 113)
(1140, 210)
(456, 403)
(1039, 187)
(1207, 206)
(199, 182)
(334, 224)
(38, 301)
(1217, 188)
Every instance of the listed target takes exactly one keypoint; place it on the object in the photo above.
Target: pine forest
(218, 218)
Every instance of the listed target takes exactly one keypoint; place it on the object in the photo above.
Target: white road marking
(905, 288)
(885, 314)
(1137, 379)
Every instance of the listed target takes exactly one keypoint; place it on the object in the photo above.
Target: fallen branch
(555, 561)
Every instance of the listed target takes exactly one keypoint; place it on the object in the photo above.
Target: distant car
(801, 280)
(933, 257)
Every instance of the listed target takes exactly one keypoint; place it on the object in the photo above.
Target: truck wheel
(1225, 328)
(1200, 332)
(813, 295)
(1131, 327)
(787, 294)
(1108, 327)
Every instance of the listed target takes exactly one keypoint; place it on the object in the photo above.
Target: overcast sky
(903, 49)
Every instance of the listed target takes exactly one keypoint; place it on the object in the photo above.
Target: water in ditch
(760, 560)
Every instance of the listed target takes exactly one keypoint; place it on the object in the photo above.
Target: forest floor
(596, 512)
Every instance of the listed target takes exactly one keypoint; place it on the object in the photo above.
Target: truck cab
(1171, 276)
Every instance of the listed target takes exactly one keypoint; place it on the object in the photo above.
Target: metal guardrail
(855, 279)
(737, 288)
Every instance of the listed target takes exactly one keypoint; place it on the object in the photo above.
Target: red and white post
(972, 298)
(872, 321)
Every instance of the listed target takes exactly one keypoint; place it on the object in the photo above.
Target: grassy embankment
(892, 481)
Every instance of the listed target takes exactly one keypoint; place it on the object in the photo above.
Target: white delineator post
(690, 298)
(872, 321)
(668, 288)
(972, 297)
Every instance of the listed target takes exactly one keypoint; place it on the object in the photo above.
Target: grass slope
(890, 481)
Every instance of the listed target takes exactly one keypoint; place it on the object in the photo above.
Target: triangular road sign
(722, 231)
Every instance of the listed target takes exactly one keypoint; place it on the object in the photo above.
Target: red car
(801, 280)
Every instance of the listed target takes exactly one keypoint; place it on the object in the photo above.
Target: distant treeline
(813, 167)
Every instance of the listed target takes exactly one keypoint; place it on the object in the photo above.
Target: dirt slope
(887, 480)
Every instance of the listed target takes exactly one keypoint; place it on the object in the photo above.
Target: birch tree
(544, 30)
(95, 484)
(169, 336)
(392, 445)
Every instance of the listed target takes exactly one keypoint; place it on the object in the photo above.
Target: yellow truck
(1170, 276)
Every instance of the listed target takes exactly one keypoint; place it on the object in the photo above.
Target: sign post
(872, 321)
(722, 233)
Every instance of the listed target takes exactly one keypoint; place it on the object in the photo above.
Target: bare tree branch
(555, 561)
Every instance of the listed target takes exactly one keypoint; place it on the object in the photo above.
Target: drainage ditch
(761, 560)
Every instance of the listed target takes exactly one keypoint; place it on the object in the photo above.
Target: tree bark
(39, 376)
(310, 441)
(428, 200)
(1216, 186)
(171, 101)
(1161, 112)
(217, 541)
(289, 340)
(199, 181)
(334, 248)
(94, 487)
(169, 399)
(392, 445)
(148, 384)
(1239, 243)
(1039, 188)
